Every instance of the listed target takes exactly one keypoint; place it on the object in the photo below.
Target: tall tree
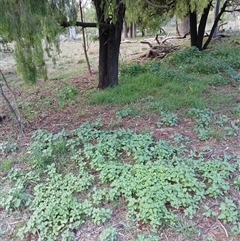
(195, 8)
(111, 13)
(216, 12)
(228, 6)
(34, 25)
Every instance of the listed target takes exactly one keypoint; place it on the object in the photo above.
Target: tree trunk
(193, 28)
(112, 58)
(182, 26)
(130, 31)
(109, 44)
(197, 34)
(84, 39)
(125, 30)
(134, 30)
(103, 56)
(216, 12)
(202, 26)
(215, 24)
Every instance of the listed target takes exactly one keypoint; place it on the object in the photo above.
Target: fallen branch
(156, 38)
(226, 233)
(174, 37)
(157, 51)
(16, 113)
(221, 26)
(235, 42)
(127, 41)
(163, 31)
(146, 42)
(220, 37)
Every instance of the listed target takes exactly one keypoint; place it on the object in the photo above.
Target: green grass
(222, 101)
(173, 93)
(170, 89)
(181, 81)
(129, 90)
(6, 165)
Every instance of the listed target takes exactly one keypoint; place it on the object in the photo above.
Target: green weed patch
(153, 179)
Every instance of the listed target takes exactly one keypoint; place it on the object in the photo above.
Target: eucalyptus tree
(216, 12)
(228, 6)
(183, 26)
(195, 9)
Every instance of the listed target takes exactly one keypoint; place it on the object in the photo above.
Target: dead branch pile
(157, 51)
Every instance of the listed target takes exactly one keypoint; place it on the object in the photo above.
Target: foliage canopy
(144, 15)
(33, 26)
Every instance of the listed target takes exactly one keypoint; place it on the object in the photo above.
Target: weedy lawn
(155, 158)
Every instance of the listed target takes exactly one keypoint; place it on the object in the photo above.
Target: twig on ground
(226, 233)
(146, 42)
(165, 236)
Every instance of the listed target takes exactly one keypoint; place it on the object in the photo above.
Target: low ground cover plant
(156, 180)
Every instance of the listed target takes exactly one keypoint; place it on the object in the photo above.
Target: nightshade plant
(76, 174)
(208, 124)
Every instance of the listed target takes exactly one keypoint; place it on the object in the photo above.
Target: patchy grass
(185, 79)
(6, 165)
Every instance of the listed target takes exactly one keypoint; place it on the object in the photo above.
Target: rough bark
(216, 12)
(193, 28)
(109, 45)
(112, 58)
(202, 26)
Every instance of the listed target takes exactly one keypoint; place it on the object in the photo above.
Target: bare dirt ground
(54, 119)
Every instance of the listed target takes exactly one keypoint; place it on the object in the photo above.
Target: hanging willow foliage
(33, 27)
